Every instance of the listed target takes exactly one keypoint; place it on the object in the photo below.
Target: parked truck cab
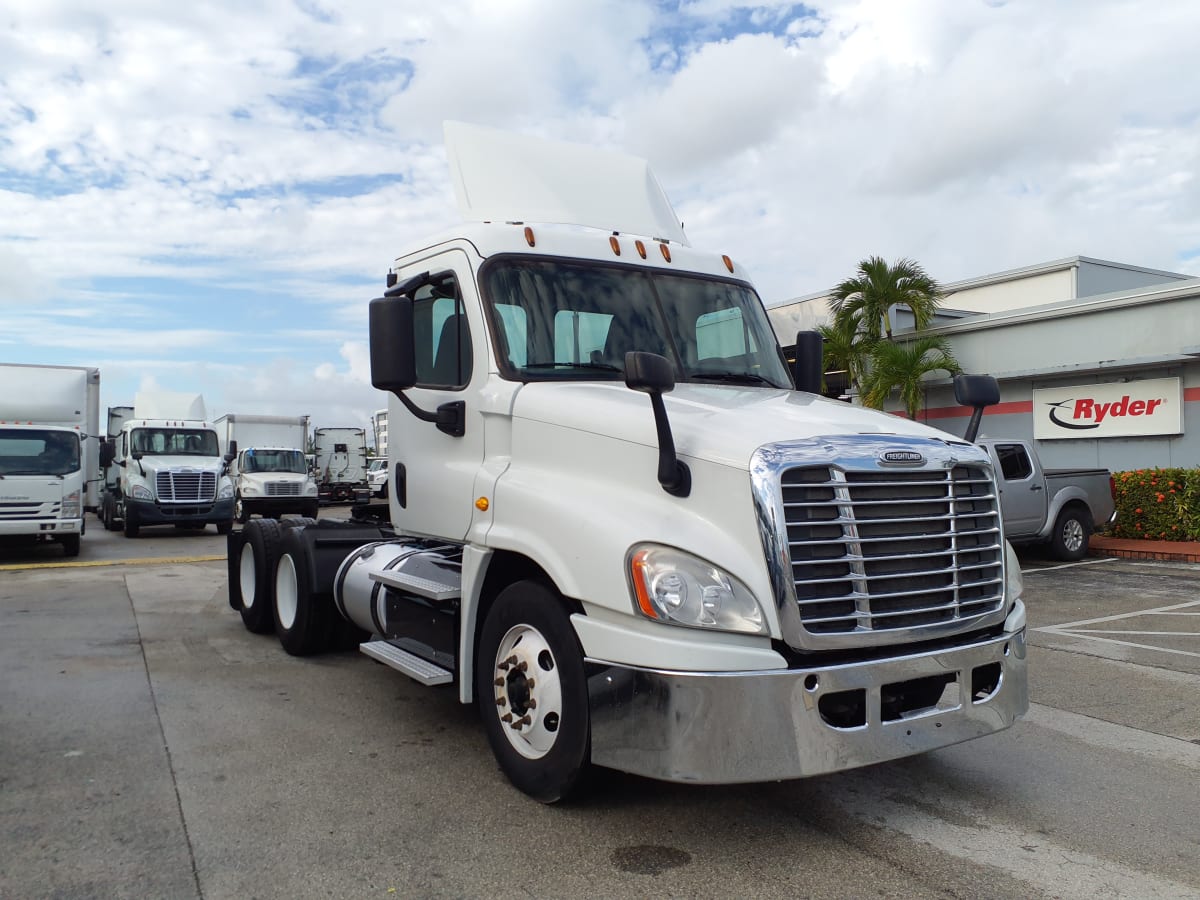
(624, 535)
(169, 471)
(49, 453)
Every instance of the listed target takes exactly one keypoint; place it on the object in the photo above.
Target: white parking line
(1080, 631)
(1129, 615)
(1071, 565)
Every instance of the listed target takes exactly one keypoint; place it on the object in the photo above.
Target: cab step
(402, 661)
(414, 584)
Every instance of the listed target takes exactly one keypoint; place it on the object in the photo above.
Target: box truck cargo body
(267, 465)
(49, 452)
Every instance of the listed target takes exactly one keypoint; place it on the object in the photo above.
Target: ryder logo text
(1088, 413)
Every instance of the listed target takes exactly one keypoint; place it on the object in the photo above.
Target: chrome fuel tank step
(402, 661)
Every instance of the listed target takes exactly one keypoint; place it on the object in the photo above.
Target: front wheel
(1072, 529)
(532, 692)
(70, 544)
(131, 525)
(239, 511)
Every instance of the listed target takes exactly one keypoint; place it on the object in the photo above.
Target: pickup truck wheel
(532, 692)
(303, 617)
(256, 574)
(1072, 530)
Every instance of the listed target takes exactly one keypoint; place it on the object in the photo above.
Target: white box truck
(49, 452)
(266, 462)
(622, 529)
(165, 467)
(341, 462)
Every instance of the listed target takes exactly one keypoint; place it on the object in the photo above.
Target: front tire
(304, 618)
(256, 574)
(70, 544)
(240, 514)
(532, 692)
(1072, 531)
(131, 525)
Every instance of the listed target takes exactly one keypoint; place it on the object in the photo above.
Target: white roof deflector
(504, 177)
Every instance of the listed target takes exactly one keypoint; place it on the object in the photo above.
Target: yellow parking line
(143, 561)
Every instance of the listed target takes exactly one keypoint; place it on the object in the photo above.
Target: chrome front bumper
(724, 728)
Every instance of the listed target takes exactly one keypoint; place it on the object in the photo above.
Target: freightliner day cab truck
(618, 529)
(266, 462)
(49, 452)
(166, 467)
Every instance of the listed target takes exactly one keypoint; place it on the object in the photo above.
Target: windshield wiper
(732, 377)
(603, 367)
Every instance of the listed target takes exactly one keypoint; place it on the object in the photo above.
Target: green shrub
(1158, 504)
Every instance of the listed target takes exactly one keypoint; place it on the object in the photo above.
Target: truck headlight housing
(141, 492)
(310, 489)
(249, 490)
(70, 506)
(226, 491)
(676, 587)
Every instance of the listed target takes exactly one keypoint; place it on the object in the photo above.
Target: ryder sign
(1130, 409)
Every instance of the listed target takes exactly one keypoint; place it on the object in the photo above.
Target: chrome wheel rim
(286, 592)
(1073, 535)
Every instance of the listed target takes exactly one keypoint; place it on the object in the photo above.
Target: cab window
(443, 339)
(1014, 462)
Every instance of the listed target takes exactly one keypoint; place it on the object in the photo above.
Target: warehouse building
(1098, 362)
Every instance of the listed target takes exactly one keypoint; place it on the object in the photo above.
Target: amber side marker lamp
(615, 244)
(641, 249)
(529, 236)
(638, 567)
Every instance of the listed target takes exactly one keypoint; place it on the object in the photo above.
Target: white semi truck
(621, 529)
(49, 452)
(165, 467)
(266, 462)
(341, 462)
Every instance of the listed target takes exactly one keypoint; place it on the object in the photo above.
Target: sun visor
(504, 177)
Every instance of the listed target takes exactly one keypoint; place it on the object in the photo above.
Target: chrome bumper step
(402, 661)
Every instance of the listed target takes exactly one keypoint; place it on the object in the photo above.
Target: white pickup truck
(1058, 507)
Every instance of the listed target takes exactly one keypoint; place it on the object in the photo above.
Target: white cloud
(208, 195)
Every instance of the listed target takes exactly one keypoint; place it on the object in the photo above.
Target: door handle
(1036, 487)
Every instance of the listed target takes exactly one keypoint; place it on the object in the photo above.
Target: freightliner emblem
(901, 458)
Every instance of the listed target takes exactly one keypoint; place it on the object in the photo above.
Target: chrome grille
(186, 487)
(283, 488)
(887, 550)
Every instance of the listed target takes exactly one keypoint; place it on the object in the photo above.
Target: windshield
(376, 465)
(557, 320)
(174, 442)
(35, 451)
(256, 460)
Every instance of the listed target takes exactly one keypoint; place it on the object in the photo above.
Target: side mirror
(809, 370)
(393, 344)
(231, 453)
(107, 452)
(652, 374)
(975, 391)
(649, 373)
(136, 454)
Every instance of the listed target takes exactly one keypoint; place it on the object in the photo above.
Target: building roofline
(1056, 265)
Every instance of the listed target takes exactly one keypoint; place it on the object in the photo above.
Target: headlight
(70, 506)
(249, 490)
(141, 492)
(672, 586)
(1014, 584)
(310, 490)
(226, 491)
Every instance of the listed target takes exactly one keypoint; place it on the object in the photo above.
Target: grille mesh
(186, 487)
(284, 488)
(892, 550)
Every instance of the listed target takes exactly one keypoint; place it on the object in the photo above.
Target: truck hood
(154, 464)
(30, 490)
(717, 423)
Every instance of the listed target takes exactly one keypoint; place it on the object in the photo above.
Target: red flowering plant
(1158, 503)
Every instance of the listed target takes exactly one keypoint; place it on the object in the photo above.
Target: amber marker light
(728, 262)
(529, 236)
(637, 566)
(666, 252)
(641, 249)
(615, 244)
(482, 504)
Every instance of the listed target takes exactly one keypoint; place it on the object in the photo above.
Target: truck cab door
(433, 473)
(1022, 491)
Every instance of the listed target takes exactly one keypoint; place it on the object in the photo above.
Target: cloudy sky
(204, 196)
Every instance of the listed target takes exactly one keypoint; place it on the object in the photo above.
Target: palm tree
(846, 347)
(904, 366)
(878, 287)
